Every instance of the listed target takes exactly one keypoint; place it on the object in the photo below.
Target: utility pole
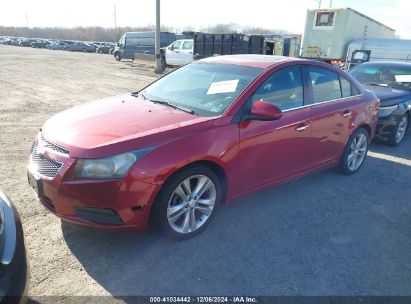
(27, 21)
(157, 43)
(115, 16)
(331, 3)
(319, 3)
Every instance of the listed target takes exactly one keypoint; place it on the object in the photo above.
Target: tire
(117, 56)
(181, 209)
(355, 152)
(100, 51)
(84, 50)
(400, 131)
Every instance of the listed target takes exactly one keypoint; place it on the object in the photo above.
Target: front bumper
(386, 126)
(14, 273)
(109, 205)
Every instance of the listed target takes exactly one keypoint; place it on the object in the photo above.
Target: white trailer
(329, 31)
(361, 50)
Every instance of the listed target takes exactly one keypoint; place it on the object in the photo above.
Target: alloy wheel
(401, 129)
(358, 151)
(191, 204)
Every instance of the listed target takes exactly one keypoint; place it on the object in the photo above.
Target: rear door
(332, 108)
(274, 150)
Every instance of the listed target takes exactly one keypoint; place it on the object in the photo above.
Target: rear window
(324, 19)
(325, 84)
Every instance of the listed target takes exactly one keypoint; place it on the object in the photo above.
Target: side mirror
(263, 110)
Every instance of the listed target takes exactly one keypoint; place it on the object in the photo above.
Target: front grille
(49, 145)
(44, 166)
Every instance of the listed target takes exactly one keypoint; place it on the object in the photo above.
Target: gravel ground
(324, 234)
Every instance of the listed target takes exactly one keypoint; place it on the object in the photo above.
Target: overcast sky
(276, 14)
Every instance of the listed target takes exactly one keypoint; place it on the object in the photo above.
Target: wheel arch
(366, 127)
(215, 167)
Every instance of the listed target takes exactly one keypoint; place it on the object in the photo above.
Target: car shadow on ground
(402, 151)
(325, 234)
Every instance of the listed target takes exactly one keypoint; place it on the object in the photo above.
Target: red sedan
(200, 136)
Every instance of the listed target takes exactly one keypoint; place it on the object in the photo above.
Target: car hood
(119, 124)
(389, 96)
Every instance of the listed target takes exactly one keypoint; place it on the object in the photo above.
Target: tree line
(97, 33)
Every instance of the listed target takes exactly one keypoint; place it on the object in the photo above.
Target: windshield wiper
(166, 103)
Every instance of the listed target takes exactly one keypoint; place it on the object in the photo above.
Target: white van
(180, 52)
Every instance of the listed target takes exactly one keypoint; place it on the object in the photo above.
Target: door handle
(302, 127)
(347, 114)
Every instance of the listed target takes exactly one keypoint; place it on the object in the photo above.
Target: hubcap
(402, 128)
(358, 150)
(191, 204)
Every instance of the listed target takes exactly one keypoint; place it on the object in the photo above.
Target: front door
(271, 151)
(173, 52)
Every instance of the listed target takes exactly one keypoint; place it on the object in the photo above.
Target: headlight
(111, 167)
(385, 111)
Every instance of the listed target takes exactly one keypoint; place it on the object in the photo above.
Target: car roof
(258, 61)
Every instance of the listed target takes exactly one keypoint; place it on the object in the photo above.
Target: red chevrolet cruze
(200, 136)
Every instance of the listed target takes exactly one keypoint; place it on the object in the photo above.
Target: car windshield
(207, 89)
(394, 76)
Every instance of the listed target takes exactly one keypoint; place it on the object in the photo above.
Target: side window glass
(284, 89)
(176, 45)
(345, 87)
(187, 45)
(325, 84)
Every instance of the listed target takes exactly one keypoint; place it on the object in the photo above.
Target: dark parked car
(5, 40)
(105, 49)
(13, 262)
(40, 43)
(26, 42)
(11, 41)
(16, 42)
(58, 46)
(391, 82)
(205, 134)
(140, 42)
(82, 47)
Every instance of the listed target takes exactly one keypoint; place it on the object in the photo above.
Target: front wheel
(355, 152)
(399, 132)
(117, 56)
(188, 202)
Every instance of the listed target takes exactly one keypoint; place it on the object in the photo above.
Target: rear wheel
(188, 202)
(400, 131)
(355, 152)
